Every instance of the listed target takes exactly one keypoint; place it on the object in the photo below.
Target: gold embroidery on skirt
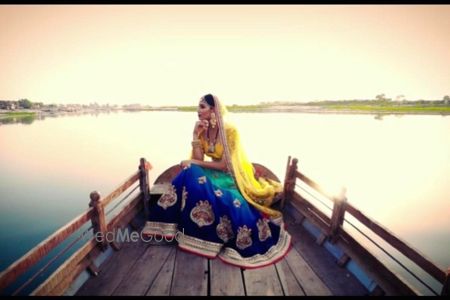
(244, 238)
(237, 203)
(202, 179)
(198, 245)
(224, 230)
(168, 199)
(159, 228)
(184, 195)
(275, 252)
(218, 193)
(263, 229)
(202, 214)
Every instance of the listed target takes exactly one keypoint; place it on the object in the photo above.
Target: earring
(213, 120)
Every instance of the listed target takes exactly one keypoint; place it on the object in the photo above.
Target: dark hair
(209, 99)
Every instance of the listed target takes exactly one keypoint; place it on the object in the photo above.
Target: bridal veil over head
(258, 192)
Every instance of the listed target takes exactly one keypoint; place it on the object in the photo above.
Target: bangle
(196, 143)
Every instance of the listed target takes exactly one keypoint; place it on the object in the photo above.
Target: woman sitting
(218, 207)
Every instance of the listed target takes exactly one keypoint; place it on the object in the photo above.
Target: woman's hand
(185, 164)
(200, 126)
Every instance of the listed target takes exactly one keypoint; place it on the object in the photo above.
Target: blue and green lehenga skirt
(207, 215)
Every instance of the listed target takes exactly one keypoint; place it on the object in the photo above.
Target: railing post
(337, 217)
(144, 166)
(289, 180)
(98, 220)
(446, 287)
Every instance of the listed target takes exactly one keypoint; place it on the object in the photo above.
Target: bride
(219, 206)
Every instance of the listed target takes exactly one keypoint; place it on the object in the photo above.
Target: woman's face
(204, 110)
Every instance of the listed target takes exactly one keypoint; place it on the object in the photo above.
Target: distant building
(8, 104)
(37, 105)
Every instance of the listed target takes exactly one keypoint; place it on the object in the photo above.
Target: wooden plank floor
(162, 269)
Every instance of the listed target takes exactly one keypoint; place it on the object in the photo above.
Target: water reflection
(25, 119)
(30, 118)
(47, 183)
(378, 117)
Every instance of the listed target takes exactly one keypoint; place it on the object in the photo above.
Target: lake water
(395, 168)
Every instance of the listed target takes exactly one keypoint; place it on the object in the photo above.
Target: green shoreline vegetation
(17, 117)
(337, 107)
(392, 109)
(19, 114)
(379, 105)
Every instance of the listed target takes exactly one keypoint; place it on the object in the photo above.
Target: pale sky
(245, 54)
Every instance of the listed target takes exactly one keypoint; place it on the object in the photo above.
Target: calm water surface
(395, 169)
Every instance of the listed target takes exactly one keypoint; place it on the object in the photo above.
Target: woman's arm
(198, 154)
(197, 149)
(217, 165)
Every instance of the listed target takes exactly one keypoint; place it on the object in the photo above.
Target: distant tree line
(380, 99)
(27, 104)
(20, 104)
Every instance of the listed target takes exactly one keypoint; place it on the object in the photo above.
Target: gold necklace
(211, 143)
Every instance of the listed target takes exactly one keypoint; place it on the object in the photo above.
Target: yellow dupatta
(258, 192)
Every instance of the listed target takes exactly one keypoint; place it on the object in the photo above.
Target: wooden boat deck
(141, 268)
(325, 258)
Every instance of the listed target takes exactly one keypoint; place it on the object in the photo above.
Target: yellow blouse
(218, 149)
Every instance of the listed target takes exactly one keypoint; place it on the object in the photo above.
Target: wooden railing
(332, 229)
(83, 258)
